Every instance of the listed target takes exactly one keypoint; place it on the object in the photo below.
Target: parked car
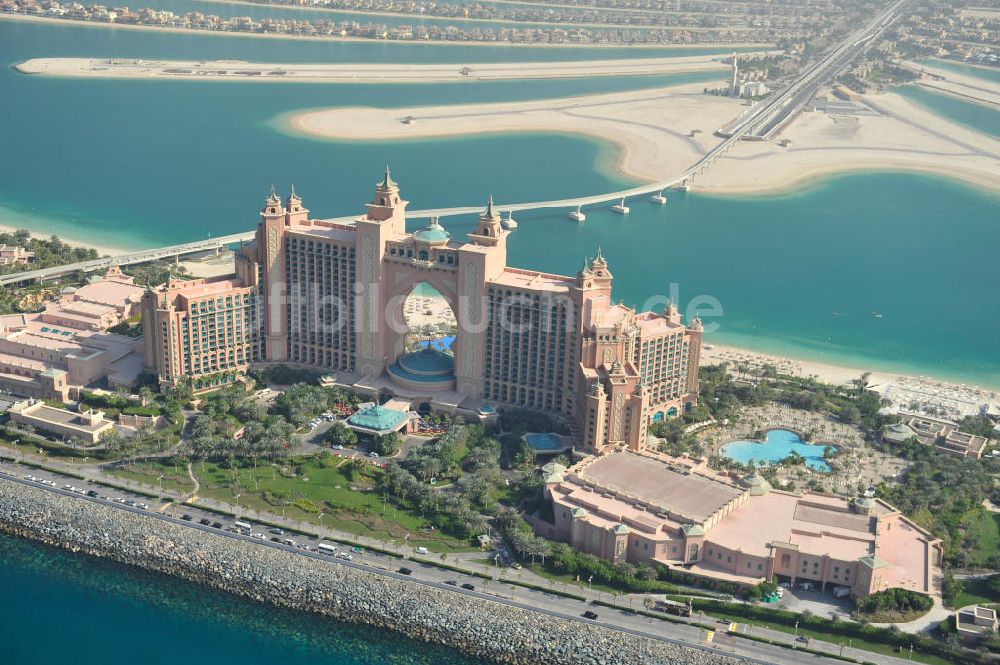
(452, 582)
(590, 614)
(469, 587)
(186, 517)
(421, 550)
(205, 522)
(405, 571)
(216, 525)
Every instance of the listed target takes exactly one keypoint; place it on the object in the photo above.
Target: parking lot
(819, 603)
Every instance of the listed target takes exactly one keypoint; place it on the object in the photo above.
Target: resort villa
(942, 434)
(13, 255)
(628, 506)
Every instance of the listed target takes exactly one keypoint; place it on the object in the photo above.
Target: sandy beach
(660, 132)
(102, 248)
(240, 70)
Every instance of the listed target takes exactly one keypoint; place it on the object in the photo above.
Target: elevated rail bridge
(757, 122)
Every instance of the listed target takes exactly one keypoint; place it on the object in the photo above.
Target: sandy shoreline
(102, 248)
(240, 70)
(309, 38)
(660, 132)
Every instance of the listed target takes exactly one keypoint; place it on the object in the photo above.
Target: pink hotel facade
(645, 507)
(330, 295)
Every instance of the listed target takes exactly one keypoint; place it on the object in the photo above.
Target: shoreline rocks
(475, 626)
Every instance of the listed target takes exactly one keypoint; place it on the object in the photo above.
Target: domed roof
(432, 233)
(757, 485)
(693, 530)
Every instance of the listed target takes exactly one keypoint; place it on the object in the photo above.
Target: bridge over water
(759, 122)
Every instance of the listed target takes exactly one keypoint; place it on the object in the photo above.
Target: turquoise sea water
(987, 73)
(107, 614)
(778, 445)
(140, 163)
(979, 117)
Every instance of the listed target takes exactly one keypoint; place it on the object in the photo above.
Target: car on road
(205, 522)
(373, 454)
(356, 549)
(421, 550)
(405, 571)
(345, 556)
(216, 525)
(338, 447)
(275, 539)
(802, 639)
(590, 614)
(725, 622)
(469, 587)
(92, 494)
(186, 517)
(277, 532)
(451, 582)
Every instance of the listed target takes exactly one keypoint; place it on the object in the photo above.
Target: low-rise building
(50, 353)
(975, 622)
(87, 427)
(13, 255)
(378, 420)
(637, 507)
(944, 435)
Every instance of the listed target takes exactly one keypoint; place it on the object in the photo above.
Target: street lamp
(796, 629)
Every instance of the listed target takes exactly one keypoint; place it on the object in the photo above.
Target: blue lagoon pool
(546, 442)
(778, 445)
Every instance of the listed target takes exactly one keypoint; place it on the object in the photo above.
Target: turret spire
(272, 198)
(387, 179)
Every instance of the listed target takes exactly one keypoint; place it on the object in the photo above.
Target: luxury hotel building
(330, 295)
(646, 507)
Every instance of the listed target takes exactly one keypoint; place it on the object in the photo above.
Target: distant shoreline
(569, 25)
(362, 40)
(637, 124)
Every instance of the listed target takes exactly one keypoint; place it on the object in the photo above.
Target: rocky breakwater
(476, 626)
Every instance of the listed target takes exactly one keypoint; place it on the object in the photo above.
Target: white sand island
(239, 70)
(660, 132)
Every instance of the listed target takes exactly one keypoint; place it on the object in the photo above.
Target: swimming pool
(546, 442)
(779, 444)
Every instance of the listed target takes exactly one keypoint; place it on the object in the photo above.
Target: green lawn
(975, 592)
(174, 474)
(305, 487)
(982, 535)
(570, 580)
(52, 449)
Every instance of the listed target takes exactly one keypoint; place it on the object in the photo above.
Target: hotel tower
(330, 295)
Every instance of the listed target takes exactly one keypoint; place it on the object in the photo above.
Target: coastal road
(551, 604)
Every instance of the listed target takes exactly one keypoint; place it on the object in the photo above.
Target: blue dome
(432, 233)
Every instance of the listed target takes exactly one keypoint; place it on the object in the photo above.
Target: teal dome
(432, 233)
